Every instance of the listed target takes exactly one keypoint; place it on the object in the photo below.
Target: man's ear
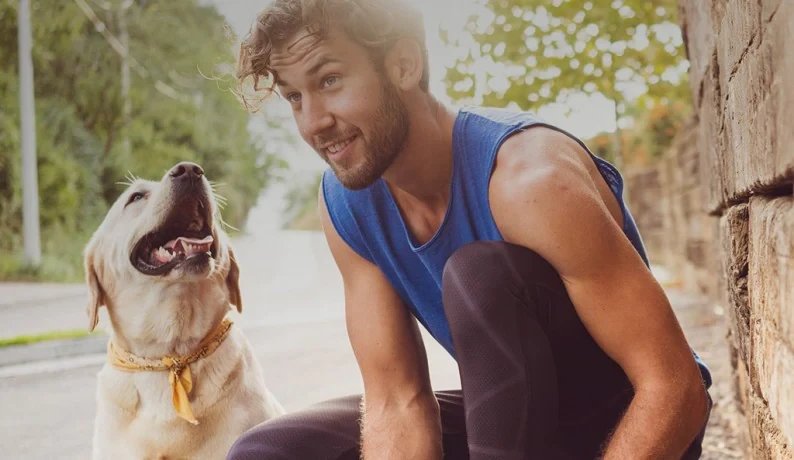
(405, 64)
(233, 282)
(98, 296)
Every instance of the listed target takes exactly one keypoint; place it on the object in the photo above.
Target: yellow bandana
(179, 366)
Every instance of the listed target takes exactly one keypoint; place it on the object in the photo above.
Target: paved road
(279, 269)
(49, 415)
(293, 316)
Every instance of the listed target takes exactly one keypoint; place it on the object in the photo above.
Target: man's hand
(400, 413)
(544, 197)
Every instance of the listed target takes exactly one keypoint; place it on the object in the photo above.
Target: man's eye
(330, 81)
(135, 197)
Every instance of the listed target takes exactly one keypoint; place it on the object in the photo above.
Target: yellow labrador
(181, 381)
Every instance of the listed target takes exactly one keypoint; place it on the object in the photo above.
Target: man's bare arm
(543, 198)
(400, 413)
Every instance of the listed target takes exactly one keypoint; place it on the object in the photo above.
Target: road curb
(52, 349)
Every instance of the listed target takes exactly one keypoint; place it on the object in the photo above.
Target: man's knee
(259, 442)
(485, 277)
(326, 430)
(489, 265)
(475, 265)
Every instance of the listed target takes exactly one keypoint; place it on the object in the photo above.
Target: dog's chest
(143, 419)
(170, 440)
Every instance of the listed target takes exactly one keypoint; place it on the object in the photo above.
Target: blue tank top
(369, 221)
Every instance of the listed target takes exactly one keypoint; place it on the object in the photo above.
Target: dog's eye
(136, 196)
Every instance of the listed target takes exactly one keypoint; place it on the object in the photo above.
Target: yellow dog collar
(179, 366)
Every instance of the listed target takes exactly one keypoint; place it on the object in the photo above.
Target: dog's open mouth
(185, 237)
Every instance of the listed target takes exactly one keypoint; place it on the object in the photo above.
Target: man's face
(345, 108)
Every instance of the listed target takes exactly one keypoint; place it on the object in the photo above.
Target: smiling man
(501, 234)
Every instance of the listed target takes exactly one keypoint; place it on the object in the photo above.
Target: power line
(122, 51)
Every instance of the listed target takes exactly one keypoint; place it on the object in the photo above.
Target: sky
(588, 115)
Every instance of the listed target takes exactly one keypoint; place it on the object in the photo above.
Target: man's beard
(389, 131)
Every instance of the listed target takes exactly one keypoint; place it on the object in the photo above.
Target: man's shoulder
(537, 152)
(540, 180)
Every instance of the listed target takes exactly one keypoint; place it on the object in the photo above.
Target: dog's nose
(186, 169)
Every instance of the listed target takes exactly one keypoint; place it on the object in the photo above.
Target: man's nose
(317, 118)
(186, 170)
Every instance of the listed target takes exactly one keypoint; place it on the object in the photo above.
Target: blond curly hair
(374, 24)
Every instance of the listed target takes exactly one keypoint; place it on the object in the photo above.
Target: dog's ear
(98, 297)
(233, 282)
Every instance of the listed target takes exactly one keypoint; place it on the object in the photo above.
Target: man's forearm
(658, 425)
(412, 431)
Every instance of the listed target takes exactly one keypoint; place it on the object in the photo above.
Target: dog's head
(161, 242)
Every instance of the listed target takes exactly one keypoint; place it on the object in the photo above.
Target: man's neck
(423, 171)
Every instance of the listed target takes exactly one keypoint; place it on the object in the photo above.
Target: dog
(181, 381)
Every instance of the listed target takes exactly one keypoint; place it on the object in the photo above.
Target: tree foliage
(534, 52)
(179, 111)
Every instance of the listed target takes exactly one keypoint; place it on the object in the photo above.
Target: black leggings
(535, 385)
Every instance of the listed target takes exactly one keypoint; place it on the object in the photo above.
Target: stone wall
(718, 211)
(742, 81)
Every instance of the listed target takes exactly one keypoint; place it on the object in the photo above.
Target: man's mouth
(339, 146)
(185, 237)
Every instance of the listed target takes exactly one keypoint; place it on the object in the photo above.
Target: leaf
(630, 32)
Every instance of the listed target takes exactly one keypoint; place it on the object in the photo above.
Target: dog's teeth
(161, 256)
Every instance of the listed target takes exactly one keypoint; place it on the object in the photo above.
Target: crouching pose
(504, 236)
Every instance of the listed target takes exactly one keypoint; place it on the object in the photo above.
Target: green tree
(534, 52)
(179, 111)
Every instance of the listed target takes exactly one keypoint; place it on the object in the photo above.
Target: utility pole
(30, 183)
(124, 37)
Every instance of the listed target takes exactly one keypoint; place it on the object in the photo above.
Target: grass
(47, 336)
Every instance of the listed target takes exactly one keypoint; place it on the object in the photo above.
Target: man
(504, 236)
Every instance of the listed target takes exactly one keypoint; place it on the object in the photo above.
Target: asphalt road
(293, 316)
(49, 414)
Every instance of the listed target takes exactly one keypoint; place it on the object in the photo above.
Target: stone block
(716, 167)
(742, 394)
(759, 107)
(749, 121)
(739, 29)
(720, 277)
(769, 8)
(734, 234)
(781, 391)
(771, 263)
(766, 440)
(771, 293)
(778, 37)
(717, 13)
(742, 385)
(699, 37)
